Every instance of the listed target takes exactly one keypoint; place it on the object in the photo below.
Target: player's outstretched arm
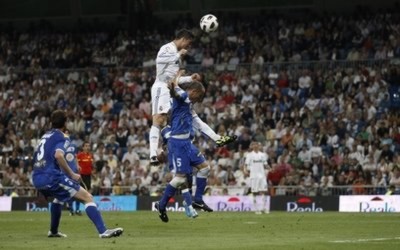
(165, 56)
(176, 91)
(188, 79)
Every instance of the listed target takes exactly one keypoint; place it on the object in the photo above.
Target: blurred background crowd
(320, 92)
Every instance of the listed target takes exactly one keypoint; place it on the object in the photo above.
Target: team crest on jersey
(69, 157)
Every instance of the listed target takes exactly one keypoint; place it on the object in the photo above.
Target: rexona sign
(370, 203)
(304, 204)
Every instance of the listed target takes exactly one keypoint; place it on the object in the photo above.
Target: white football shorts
(160, 98)
(258, 185)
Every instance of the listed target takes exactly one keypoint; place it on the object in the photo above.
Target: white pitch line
(250, 222)
(363, 240)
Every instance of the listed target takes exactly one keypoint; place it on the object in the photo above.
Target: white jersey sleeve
(247, 160)
(203, 127)
(167, 54)
(265, 159)
(185, 79)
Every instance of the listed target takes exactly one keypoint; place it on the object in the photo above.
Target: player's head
(256, 146)
(196, 91)
(184, 38)
(86, 146)
(58, 119)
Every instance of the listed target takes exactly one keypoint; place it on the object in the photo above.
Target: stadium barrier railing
(226, 190)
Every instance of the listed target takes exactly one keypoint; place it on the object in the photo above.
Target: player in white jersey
(167, 67)
(257, 164)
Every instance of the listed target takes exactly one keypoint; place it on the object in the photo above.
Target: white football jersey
(255, 163)
(167, 62)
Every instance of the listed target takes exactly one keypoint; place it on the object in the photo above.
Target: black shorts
(87, 180)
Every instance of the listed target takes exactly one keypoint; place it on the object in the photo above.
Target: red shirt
(85, 162)
(274, 177)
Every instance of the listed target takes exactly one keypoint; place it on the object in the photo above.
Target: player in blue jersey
(198, 161)
(179, 144)
(53, 177)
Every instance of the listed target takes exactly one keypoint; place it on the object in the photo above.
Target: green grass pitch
(217, 230)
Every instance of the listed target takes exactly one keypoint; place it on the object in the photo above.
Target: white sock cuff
(58, 202)
(204, 172)
(90, 204)
(177, 181)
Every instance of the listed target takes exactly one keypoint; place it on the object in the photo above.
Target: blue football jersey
(181, 115)
(44, 156)
(166, 134)
(70, 156)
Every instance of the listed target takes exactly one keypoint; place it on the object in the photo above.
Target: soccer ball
(209, 23)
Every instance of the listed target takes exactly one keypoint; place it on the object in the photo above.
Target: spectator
(395, 178)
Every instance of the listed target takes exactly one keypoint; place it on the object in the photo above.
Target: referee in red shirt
(85, 163)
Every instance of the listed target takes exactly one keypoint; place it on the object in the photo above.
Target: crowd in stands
(322, 127)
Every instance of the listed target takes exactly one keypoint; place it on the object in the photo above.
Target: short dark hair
(58, 119)
(197, 86)
(184, 33)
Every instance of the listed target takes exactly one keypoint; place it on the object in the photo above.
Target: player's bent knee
(204, 172)
(177, 181)
(84, 196)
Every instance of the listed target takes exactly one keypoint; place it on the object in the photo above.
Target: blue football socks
(187, 196)
(55, 211)
(169, 192)
(201, 184)
(95, 216)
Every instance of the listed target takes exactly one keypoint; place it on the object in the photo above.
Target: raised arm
(176, 91)
(166, 55)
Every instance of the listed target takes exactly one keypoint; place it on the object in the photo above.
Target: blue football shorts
(179, 156)
(59, 186)
(196, 158)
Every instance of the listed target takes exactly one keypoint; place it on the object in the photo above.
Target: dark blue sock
(55, 211)
(95, 216)
(168, 193)
(77, 206)
(189, 178)
(201, 184)
(71, 206)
